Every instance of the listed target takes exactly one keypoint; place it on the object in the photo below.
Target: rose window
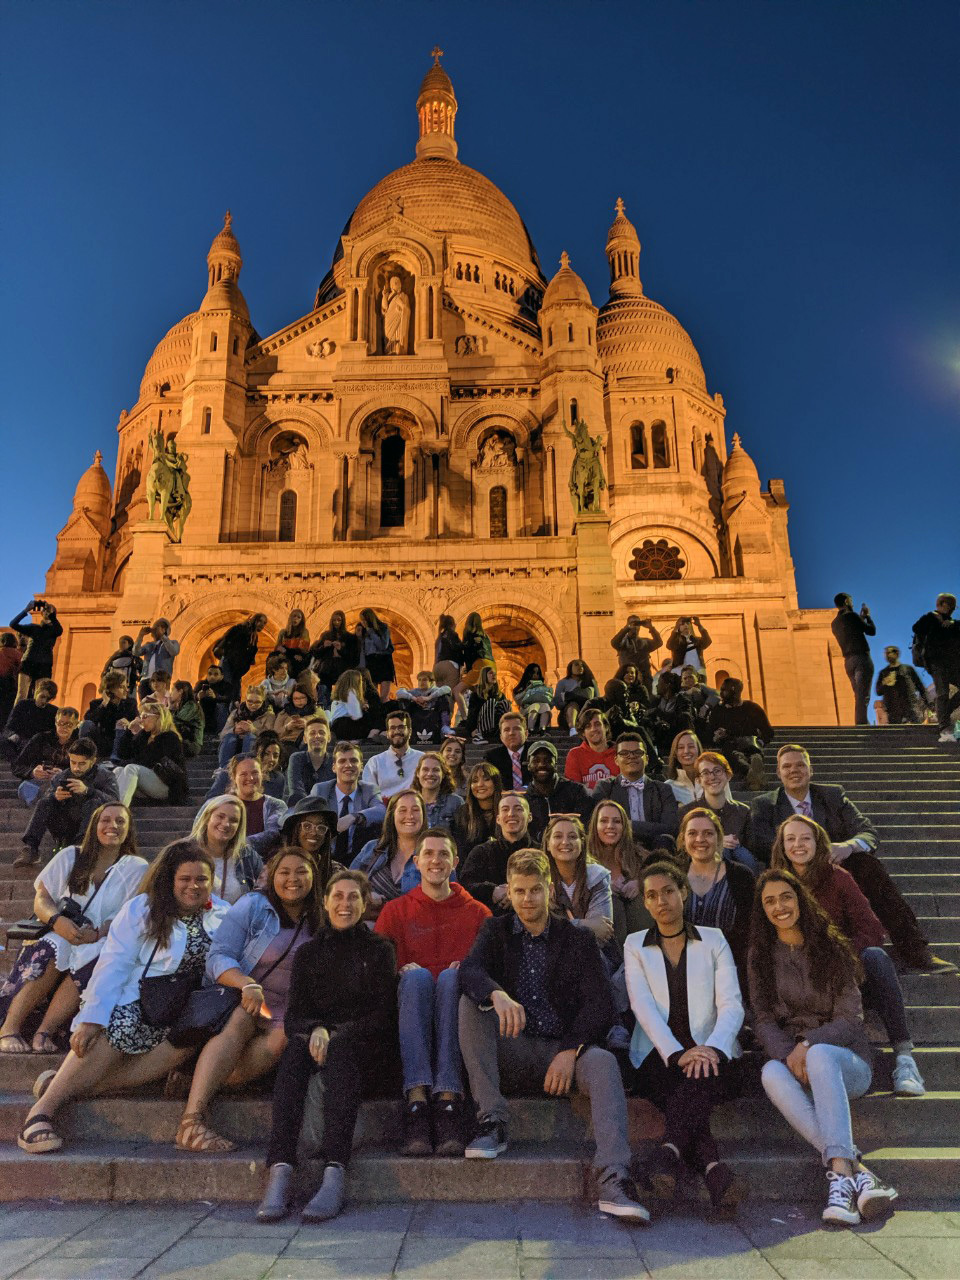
(656, 562)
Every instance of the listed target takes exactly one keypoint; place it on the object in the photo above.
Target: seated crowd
(613, 923)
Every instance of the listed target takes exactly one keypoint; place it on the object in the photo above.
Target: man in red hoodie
(432, 927)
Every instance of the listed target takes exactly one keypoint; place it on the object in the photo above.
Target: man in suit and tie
(652, 806)
(510, 758)
(854, 840)
(359, 808)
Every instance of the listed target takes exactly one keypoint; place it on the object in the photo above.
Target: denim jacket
(369, 861)
(245, 932)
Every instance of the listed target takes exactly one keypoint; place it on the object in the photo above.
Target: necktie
(805, 808)
(344, 837)
(517, 770)
(635, 798)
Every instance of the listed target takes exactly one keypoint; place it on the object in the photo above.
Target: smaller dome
(623, 256)
(226, 295)
(225, 243)
(739, 472)
(436, 80)
(171, 357)
(622, 233)
(93, 493)
(566, 287)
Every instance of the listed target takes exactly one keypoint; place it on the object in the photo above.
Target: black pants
(64, 819)
(345, 1075)
(889, 905)
(687, 1104)
(739, 752)
(944, 675)
(859, 669)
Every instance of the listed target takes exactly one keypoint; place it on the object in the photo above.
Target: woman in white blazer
(168, 927)
(684, 993)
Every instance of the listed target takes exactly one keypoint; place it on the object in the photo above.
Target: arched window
(658, 445)
(213, 342)
(236, 346)
(287, 531)
(498, 512)
(207, 419)
(574, 411)
(392, 498)
(638, 447)
(569, 332)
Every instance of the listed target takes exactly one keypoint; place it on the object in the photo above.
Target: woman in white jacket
(166, 927)
(683, 988)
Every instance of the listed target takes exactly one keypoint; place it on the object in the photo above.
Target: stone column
(595, 591)
(144, 576)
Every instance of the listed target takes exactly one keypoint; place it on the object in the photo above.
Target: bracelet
(53, 919)
(251, 985)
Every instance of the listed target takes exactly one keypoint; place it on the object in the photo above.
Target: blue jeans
(882, 991)
(429, 1040)
(821, 1114)
(235, 744)
(859, 669)
(746, 859)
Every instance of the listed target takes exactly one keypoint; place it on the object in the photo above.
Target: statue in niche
(499, 450)
(168, 484)
(288, 453)
(586, 471)
(395, 306)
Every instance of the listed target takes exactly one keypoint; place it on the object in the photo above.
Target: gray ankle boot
(276, 1199)
(328, 1201)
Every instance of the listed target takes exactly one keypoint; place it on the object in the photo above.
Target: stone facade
(404, 446)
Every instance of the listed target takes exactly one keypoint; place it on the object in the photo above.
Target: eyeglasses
(713, 773)
(631, 755)
(311, 826)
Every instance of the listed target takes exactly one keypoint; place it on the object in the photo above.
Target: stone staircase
(907, 783)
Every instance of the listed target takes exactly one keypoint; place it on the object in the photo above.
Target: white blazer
(715, 1006)
(116, 979)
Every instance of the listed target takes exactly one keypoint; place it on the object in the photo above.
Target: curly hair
(832, 959)
(157, 884)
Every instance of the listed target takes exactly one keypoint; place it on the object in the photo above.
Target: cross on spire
(436, 53)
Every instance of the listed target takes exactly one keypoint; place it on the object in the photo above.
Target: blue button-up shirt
(532, 988)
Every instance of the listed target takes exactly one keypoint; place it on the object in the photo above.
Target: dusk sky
(792, 171)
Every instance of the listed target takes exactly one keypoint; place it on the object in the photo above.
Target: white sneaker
(947, 736)
(873, 1196)
(841, 1200)
(907, 1080)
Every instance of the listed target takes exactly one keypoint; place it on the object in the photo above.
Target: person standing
(938, 638)
(236, 650)
(633, 649)
(850, 631)
(158, 653)
(901, 689)
(41, 635)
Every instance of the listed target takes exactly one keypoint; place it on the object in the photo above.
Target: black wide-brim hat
(312, 805)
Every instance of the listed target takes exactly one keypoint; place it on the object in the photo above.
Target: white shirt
(119, 885)
(391, 773)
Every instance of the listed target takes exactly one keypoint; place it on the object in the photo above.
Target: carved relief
(497, 452)
(288, 452)
(320, 350)
(470, 344)
(396, 311)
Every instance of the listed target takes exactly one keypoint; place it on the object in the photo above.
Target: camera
(71, 910)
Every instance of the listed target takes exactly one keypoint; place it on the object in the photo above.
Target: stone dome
(450, 199)
(170, 358)
(739, 471)
(566, 287)
(226, 295)
(93, 493)
(637, 338)
(436, 81)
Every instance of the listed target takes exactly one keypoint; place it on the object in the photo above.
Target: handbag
(163, 998)
(208, 1009)
(169, 772)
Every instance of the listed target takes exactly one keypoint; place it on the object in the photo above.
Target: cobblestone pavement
(521, 1241)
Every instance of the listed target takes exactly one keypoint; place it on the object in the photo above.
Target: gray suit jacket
(372, 808)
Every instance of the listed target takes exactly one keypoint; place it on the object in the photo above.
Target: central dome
(453, 200)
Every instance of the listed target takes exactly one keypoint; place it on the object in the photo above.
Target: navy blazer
(832, 808)
(661, 816)
(499, 757)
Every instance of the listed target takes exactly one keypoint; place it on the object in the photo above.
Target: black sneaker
(447, 1128)
(618, 1197)
(417, 1136)
(490, 1142)
(663, 1171)
(724, 1190)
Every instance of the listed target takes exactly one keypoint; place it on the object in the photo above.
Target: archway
(217, 627)
(514, 646)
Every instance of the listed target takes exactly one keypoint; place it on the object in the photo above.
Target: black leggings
(345, 1074)
(687, 1104)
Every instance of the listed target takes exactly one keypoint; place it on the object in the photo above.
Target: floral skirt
(30, 966)
(130, 1032)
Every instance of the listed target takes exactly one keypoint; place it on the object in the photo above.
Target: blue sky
(791, 169)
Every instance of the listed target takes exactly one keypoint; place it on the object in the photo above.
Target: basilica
(409, 445)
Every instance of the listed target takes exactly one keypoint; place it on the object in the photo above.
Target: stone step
(538, 1171)
(934, 904)
(941, 928)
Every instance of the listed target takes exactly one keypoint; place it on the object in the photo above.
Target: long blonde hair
(202, 821)
(165, 722)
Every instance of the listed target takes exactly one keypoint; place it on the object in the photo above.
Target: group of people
(614, 923)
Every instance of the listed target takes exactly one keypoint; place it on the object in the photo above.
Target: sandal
(38, 1136)
(13, 1044)
(43, 1043)
(42, 1083)
(194, 1134)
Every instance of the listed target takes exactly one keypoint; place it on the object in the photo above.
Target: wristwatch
(53, 919)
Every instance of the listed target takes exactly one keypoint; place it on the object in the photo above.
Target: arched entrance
(218, 627)
(514, 646)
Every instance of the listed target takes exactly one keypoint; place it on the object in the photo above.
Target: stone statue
(586, 470)
(396, 318)
(168, 483)
(498, 450)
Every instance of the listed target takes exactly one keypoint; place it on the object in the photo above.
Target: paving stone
(925, 1223)
(20, 1251)
(747, 1264)
(52, 1267)
(128, 1232)
(451, 1259)
(925, 1259)
(198, 1259)
(818, 1242)
(467, 1221)
(46, 1218)
(583, 1268)
(839, 1269)
(313, 1242)
(331, 1269)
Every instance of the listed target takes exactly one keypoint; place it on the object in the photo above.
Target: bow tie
(638, 786)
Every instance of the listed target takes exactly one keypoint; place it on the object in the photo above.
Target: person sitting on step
(610, 843)
(721, 890)
(533, 696)
(45, 754)
(95, 877)
(808, 1019)
(244, 722)
(220, 828)
(713, 773)
(511, 756)
(358, 805)
(114, 704)
(148, 748)
(264, 813)
(803, 847)
(117, 1043)
(71, 796)
(680, 772)
(454, 755)
(187, 717)
(486, 706)
(485, 870)
(292, 720)
(740, 729)
(683, 989)
(853, 845)
(580, 886)
(594, 759)
(476, 821)
(278, 683)
(311, 763)
(429, 708)
(392, 770)
(573, 691)
(253, 953)
(536, 1007)
(548, 792)
(340, 1024)
(29, 717)
(388, 863)
(651, 805)
(433, 926)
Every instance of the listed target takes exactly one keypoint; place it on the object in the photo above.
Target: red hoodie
(432, 934)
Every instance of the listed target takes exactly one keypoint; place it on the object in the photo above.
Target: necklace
(713, 878)
(673, 935)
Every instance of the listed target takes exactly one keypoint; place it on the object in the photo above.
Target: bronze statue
(168, 483)
(586, 470)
